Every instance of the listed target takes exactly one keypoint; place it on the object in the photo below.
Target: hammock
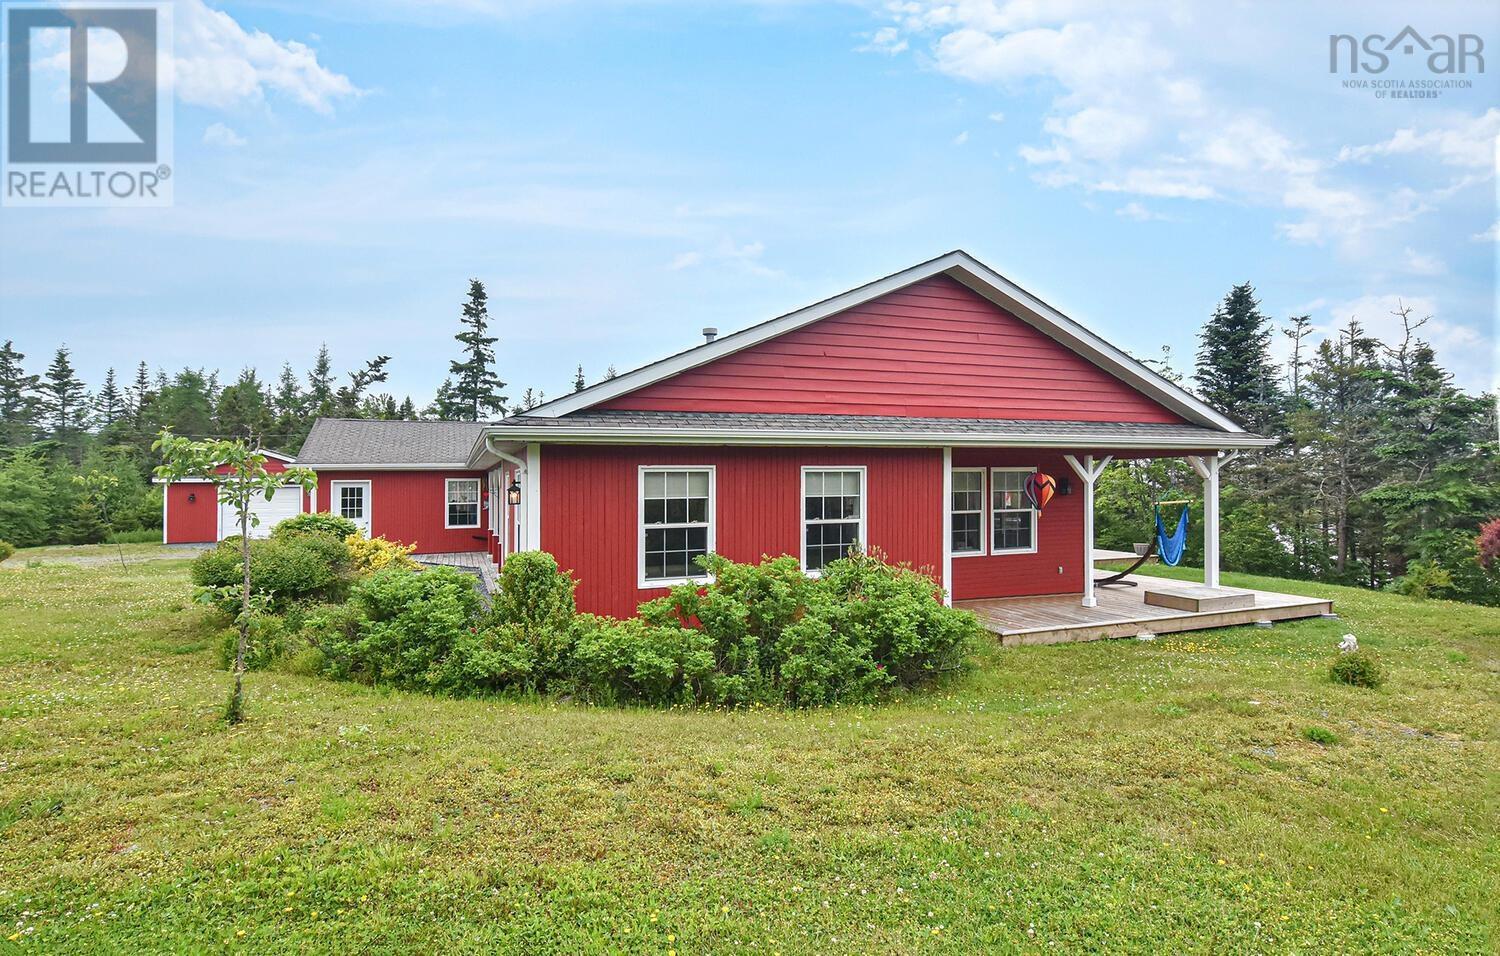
(1168, 548)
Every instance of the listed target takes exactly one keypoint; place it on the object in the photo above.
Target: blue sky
(621, 174)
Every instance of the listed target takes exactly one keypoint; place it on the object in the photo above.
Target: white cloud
(745, 257)
(961, 138)
(1423, 264)
(1492, 234)
(997, 117)
(218, 63)
(1468, 141)
(220, 135)
(1138, 212)
(1459, 348)
(886, 40)
(686, 260)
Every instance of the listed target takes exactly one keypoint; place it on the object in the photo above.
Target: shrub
(636, 661)
(527, 636)
(1320, 735)
(1359, 669)
(368, 555)
(316, 522)
(285, 570)
(400, 627)
(6, 550)
(270, 639)
(1422, 580)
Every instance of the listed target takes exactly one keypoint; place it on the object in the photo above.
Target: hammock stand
(1172, 547)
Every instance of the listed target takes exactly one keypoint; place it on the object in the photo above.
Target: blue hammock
(1170, 547)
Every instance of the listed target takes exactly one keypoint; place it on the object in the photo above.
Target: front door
(351, 499)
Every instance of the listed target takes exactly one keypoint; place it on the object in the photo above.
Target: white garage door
(286, 502)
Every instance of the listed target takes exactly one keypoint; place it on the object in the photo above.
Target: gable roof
(960, 266)
(370, 443)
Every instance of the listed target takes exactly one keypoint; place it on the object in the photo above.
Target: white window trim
(864, 512)
(478, 502)
(984, 513)
(334, 501)
(990, 507)
(642, 581)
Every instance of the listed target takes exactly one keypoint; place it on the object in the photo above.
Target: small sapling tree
(238, 471)
(101, 492)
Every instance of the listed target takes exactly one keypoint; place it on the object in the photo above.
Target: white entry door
(284, 503)
(351, 499)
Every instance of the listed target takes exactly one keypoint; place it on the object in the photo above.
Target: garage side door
(286, 502)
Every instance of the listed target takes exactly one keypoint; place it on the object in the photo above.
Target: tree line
(1384, 471)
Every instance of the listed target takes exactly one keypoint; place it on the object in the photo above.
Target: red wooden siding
(933, 349)
(411, 507)
(590, 508)
(192, 522)
(1059, 535)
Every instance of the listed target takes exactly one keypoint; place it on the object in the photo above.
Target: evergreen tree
(182, 404)
(578, 383)
(444, 405)
(530, 399)
(476, 389)
(1235, 373)
(65, 404)
(348, 400)
(1344, 385)
(610, 373)
(289, 407)
(407, 412)
(242, 410)
(320, 385)
(18, 399)
(140, 396)
(109, 404)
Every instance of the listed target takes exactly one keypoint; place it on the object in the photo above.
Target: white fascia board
(960, 266)
(763, 436)
(415, 466)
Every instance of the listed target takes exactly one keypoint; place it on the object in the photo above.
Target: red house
(903, 415)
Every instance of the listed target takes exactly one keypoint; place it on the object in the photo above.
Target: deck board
(1123, 612)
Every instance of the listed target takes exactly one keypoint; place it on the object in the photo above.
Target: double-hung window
(967, 507)
(1012, 518)
(462, 502)
(677, 523)
(833, 514)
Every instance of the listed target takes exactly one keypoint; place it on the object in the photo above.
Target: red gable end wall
(934, 349)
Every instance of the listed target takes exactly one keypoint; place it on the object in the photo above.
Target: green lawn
(1108, 796)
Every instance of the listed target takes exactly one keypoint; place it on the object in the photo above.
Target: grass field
(1117, 796)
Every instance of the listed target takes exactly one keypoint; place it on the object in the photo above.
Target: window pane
(697, 540)
(814, 509)
(655, 511)
(675, 565)
(676, 484)
(698, 484)
(1012, 529)
(463, 492)
(655, 484)
(851, 506)
(698, 509)
(656, 541)
(676, 510)
(814, 483)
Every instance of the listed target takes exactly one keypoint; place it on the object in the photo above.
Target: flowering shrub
(368, 555)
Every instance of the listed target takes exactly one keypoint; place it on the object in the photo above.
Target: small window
(463, 503)
(967, 506)
(833, 514)
(352, 502)
(1013, 520)
(676, 523)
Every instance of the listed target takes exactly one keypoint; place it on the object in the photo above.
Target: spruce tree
(476, 388)
(1235, 373)
(109, 404)
(408, 411)
(320, 385)
(242, 410)
(65, 403)
(140, 396)
(444, 403)
(18, 399)
(578, 383)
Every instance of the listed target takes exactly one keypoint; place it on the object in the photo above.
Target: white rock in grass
(1349, 644)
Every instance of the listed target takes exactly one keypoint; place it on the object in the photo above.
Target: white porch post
(1088, 472)
(533, 498)
(948, 526)
(1207, 468)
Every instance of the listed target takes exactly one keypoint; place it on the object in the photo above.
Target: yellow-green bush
(368, 555)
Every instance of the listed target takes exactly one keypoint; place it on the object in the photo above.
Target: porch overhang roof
(731, 428)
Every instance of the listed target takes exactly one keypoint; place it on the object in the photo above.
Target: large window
(967, 507)
(833, 514)
(463, 503)
(1013, 520)
(677, 523)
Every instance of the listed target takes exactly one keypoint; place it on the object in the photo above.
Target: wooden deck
(1123, 612)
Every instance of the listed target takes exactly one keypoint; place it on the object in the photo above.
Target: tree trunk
(236, 710)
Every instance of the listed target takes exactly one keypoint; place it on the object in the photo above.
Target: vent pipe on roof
(710, 333)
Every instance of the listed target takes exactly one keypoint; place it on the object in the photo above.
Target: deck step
(1198, 599)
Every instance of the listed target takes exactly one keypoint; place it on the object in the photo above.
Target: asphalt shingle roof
(625, 421)
(350, 441)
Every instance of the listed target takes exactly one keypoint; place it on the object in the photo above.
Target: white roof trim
(401, 466)
(834, 436)
(961, 266)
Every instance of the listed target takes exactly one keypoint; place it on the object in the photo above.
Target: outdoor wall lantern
(1064, 486)
(192, 497)
(513, 493)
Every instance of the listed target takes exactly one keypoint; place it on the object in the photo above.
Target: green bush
(1358, 668)
(401, 627)
(1423, 579)
(270, 639)
(316, 522)
(1320, 735)
(634, 661)
(285, 570)
(6, 550)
